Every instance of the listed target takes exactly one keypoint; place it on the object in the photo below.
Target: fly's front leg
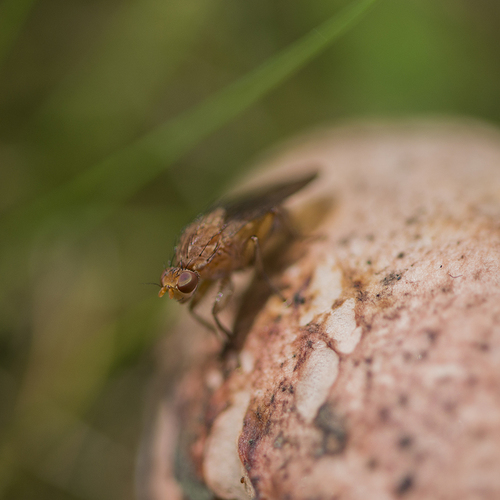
(260, 267)
(225, 292)
(198, 296)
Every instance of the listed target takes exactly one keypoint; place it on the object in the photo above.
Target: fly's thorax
(234, 250)
(200, 239)
(179, 283)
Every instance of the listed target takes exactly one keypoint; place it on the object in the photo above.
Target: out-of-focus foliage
(119, 121)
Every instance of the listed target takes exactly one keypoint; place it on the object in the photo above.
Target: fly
(226, 239)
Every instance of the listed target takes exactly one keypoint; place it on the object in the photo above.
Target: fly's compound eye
(187, 282)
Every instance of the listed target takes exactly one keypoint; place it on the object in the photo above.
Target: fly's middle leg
(200, 293)
(223, 295)
(225, 292)
(260, 268)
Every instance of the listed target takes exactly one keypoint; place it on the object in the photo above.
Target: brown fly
(225, 239)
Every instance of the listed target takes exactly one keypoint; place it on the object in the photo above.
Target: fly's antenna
(157, 284)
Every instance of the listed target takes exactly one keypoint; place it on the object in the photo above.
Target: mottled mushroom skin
(379, 378)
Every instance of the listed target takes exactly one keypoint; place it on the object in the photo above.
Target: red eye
(187, 282)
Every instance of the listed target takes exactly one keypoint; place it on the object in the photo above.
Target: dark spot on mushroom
(392, 315)
(372, 464)
(403, 400)
(480, 433)
(298, 299)
(384, 414)
(332, 426)
(404, 485)
(312, 328)
(450, 407)
(279, 441)
(391, 278)
(483, 346)
(431, 335)
(400, 255)
(405, 442)
(422, 355)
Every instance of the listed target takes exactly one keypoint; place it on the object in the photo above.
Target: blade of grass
(13, 16)
(122, 174)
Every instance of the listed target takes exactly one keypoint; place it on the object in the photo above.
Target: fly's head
(180, 284)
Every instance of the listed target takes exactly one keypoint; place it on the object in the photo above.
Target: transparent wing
(253, 205)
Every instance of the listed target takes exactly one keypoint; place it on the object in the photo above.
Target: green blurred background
(119, 121)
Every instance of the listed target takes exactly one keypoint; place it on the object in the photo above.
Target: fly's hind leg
(290, 227)
(286, 223)
(225, 292)
(260, 267)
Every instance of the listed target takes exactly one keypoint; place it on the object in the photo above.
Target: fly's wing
(255, 204)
